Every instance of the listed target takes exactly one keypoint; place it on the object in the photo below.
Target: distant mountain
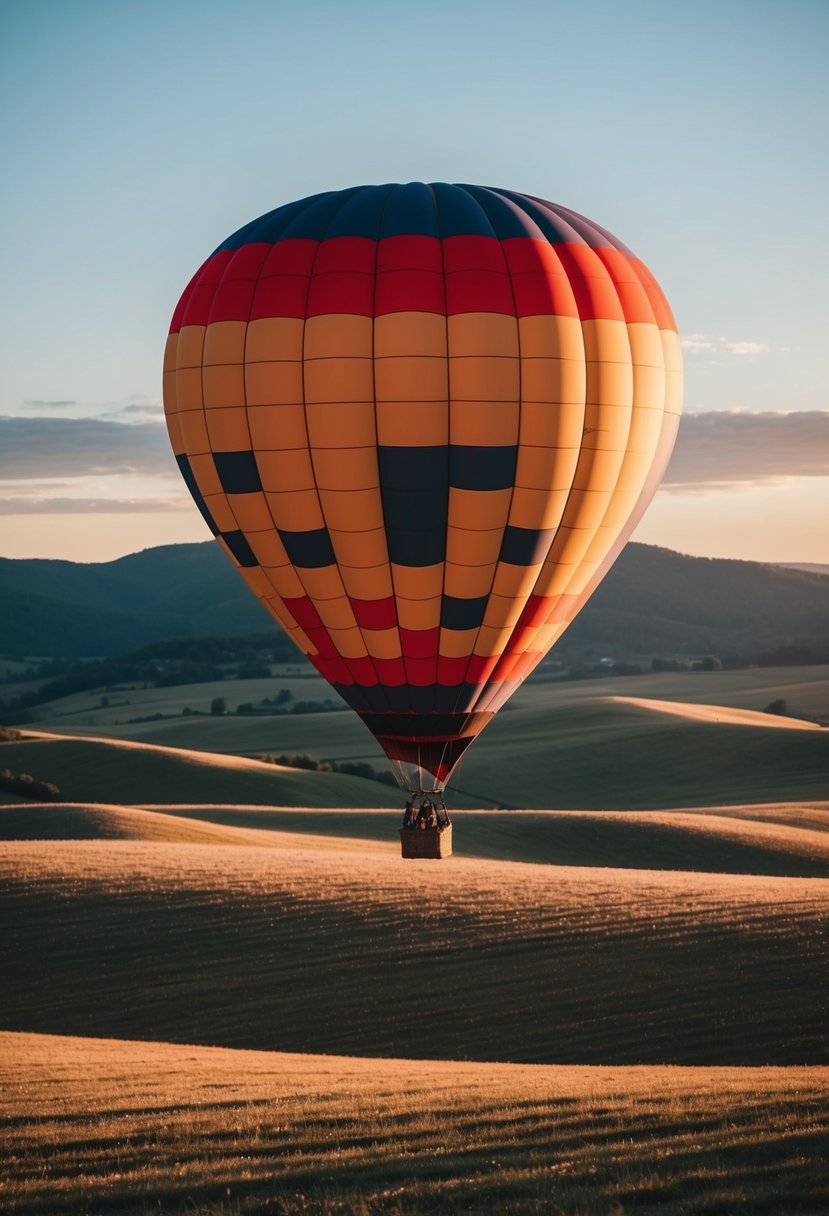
(812, 567)
(654, 601)
(78, 609)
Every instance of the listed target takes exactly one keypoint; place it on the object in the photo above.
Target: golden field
(219, 996)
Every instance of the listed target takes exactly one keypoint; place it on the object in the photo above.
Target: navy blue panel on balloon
(526, 546)
(418, 209)
(270, 227)
(311, 223)
(362, 215)
(457, 613)
(431, 725)
(308, 549)
(417, 548)
(505, 216)
(237, 472)
(190, 481)
(240, 548)
(482, 468)
(555, 228)
(399, 699)
(458, 213)
(411, 212)
(413, 485)
(415, 468)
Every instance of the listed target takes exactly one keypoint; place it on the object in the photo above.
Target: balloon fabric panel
(422, 421)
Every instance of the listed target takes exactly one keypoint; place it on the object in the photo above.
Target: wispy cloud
(728, 448)
(77, 447)
(702, 344)
(32, 403)
(48, 464)
(140, 409)
(32, 505)
(153, 409)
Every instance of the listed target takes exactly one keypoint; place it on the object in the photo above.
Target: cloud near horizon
(22, 505)
(726, 449)
(78, 447)
(717, 451)
(32, 403)
(701, 344)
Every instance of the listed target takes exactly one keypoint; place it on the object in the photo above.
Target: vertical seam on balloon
(543, 625)
(436, 206)
(546, 207)
(267, 504)
(652, 480)
(496, 693)
(256, 282)
(343, 202)
(478, 696)
(575, 470)
(230, 510)
(606, 563)
(385, 207)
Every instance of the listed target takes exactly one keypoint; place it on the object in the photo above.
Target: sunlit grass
(312, 948)
(786, 840)
(106, 1126)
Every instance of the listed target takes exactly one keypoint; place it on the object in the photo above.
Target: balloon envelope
(422, 421)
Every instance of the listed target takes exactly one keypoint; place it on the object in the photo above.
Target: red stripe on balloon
(363, 672)
(332, 669)
(420, 643)
(518, 276)
(390, 672)
(303, 611)
(280, 295)
(374, 614)
(451, 671)
(421, 672)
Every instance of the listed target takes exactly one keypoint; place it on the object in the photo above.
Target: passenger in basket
(426, 814)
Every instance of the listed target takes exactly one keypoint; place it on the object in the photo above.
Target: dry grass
(719, 714)
(105, 1126)
(102, 821)
(95, 770)
(318, 949)
(786, 840)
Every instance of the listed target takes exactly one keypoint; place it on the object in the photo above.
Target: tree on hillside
(217, 707)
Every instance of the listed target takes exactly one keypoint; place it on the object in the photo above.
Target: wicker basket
(426, 842)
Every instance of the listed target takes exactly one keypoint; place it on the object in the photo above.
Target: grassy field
(114, 771)
(789, 840)
(607, 1010)
(586, 745)
(313, 948)
(139, 1128)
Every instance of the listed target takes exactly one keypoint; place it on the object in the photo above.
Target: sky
(138, 135)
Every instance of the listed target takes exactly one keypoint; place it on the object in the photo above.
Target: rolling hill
(227, 1008)
(309, 948)
(139, 1127)
(624, 743)
(653, 601)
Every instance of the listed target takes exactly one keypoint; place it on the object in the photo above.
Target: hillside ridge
(653, 601)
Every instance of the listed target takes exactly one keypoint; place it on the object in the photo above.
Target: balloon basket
(416, 843)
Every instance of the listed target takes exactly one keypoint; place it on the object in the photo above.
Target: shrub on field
(27, 787)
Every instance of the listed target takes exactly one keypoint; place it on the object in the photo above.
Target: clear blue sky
(138, 135)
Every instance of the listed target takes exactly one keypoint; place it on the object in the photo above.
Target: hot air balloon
(422, 421)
